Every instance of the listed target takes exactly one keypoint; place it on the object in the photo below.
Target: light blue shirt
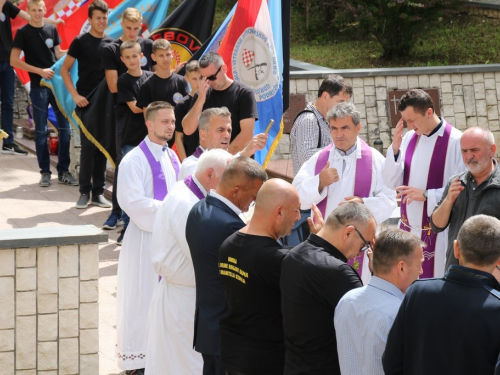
(363, 318)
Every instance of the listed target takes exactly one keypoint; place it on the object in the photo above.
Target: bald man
(252, 340)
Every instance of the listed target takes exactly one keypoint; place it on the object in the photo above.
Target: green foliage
(395, 23)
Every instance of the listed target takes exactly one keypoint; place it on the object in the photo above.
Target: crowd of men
(205, 284)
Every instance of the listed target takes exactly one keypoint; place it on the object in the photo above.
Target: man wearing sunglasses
(218, 90)
(314, 277)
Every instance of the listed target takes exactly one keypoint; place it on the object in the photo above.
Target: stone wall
(49, 301)
(469, 95)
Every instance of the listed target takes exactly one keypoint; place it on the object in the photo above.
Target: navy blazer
(209, 223)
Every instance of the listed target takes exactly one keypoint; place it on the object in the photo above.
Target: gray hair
(241, 170)
(392, 246)
(488, 136)
(479, 240)
(350, 213)
(207, 114)
(344, 110)
(211, 58)
(217, 159)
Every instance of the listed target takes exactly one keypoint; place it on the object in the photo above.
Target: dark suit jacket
(209, 223)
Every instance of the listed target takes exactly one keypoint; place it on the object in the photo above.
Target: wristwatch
(425, 194)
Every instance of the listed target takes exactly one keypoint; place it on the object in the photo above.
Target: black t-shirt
(9, 11)
(87, 49)
(111, 56)
(238, 99)
(252, 340)
(38, 45)
(135, 127)
(190, 141)
(170, 90)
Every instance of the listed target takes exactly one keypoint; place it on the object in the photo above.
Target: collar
(386, 286)
(471, 276)
(356, 148)
(317, 113)
(200, 186)
(348, 152)
(230, 204)
(436, 129)
(327, 246)
(157, 150)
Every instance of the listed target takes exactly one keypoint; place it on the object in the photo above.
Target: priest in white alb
(171, 313)
(346, 170)
(146, 175)
(418, 166)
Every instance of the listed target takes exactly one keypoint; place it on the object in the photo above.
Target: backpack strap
(319, 126)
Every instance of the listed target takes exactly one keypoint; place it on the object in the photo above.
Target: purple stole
(362, 184)
(197, 152)
(193, 187)
(160, 189)
(434, 181)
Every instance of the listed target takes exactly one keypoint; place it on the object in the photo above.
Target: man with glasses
(364, 316)
(314, 277)
(218, 90)
(347, 170)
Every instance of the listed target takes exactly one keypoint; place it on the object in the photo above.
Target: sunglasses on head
(213, 77)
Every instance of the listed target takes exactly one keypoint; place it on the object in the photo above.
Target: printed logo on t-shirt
(49, 43)
(177, 97)
(2, 17)
(144, 61)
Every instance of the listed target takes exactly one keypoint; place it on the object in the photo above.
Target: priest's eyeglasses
(367, 244)
(213, 77)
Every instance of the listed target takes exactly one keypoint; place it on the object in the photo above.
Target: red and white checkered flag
(247, 57)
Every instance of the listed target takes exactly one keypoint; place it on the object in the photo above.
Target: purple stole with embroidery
(197, 152)
(160, 188)
(193, 187)
(362, 184)
(434, 181)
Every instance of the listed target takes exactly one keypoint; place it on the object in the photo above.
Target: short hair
(130, 44)
(243, 169)
(334, 85)
(207, 114)
(350, 213)
(192, 66)
(132, 15)
(392, 246)
(162, 44)
(344, 110)
(418, 99)
(217, 159)
(211, 58)
(99, 5)
(488, 136)
(36, 2)
(154, 107)
(479, 240)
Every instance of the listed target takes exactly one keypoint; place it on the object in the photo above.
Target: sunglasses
(367, 244)
(213, 77)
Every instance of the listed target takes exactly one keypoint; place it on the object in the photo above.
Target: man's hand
(47, 73)
(80, 101)
(316, 222)
(257, 143)
(410, 194)
(202, 91)
(352, 199)
(454, 191)
(327, 176)
(180, 66)
(397, 138)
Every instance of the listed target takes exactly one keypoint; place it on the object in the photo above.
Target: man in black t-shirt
(186, 144)
(7, 78)
(114, 67)
(40, 43)
(165, 85)
(87, 49)
(218, 90)
(252, 341)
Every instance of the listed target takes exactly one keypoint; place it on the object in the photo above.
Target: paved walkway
(24, 204)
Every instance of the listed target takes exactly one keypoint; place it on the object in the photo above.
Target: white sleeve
(307, 184)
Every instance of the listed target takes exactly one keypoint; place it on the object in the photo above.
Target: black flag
(187, 28)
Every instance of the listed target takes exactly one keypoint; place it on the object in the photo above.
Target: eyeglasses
(213, 77)
(367, 244)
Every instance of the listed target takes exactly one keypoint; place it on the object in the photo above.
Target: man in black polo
(314, 277)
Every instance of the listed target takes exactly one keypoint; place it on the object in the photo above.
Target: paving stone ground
(24, 204)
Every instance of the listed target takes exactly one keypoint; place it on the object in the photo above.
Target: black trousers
(92, 168)
(211, 365)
